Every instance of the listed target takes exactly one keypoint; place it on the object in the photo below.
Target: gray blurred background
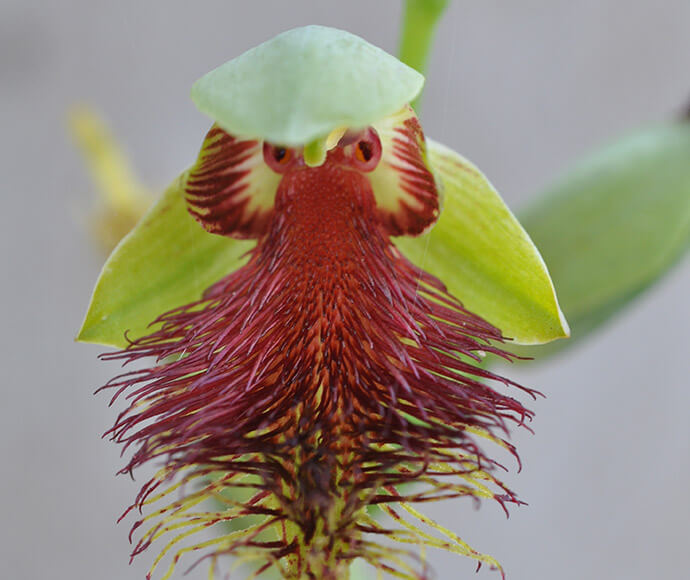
(521, 88)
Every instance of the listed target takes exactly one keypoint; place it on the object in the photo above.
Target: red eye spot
(278, 158)
(366, 151)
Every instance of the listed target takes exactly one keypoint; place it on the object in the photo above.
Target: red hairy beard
(328, 366)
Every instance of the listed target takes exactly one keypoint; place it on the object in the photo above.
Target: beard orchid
(324, 381)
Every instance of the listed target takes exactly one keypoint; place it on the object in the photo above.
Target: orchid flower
(317, 294)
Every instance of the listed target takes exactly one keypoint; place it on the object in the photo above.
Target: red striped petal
(404, 185)
(230, 190)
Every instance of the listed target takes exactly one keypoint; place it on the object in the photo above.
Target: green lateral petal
(303, 84)
(615, 223)
(166, 261)
(485, 258)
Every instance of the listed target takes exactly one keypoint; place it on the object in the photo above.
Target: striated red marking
(216, 187)
(416, 180)
(305, 366)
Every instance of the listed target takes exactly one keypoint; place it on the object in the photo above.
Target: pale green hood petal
(303, 84)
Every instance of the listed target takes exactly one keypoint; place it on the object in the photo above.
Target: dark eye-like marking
(278, 158)
(281, 155)
(366, 150)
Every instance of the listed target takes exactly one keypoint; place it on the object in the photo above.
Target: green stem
(418, 28)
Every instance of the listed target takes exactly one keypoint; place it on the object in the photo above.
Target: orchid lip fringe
(325, 376)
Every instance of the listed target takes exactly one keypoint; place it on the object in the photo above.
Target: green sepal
(484, 256)
(614, 224)
(303, 84)
(166, 261)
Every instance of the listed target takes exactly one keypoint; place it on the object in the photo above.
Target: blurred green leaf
(482, 254)
(614, 224)
(167, 260)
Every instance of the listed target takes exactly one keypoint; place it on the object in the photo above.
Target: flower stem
(420, 18)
